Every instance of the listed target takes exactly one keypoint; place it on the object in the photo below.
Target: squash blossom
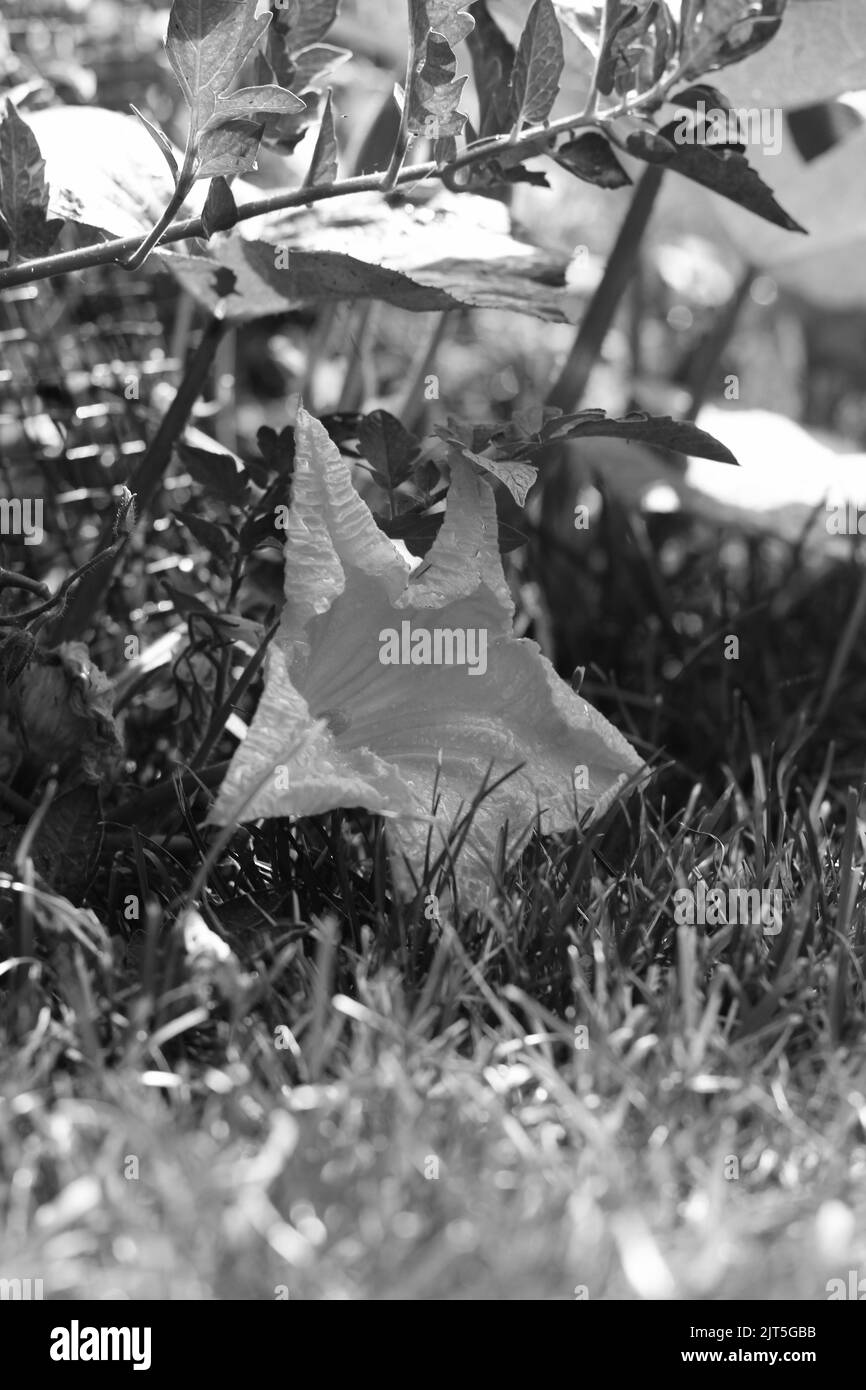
(386, 678)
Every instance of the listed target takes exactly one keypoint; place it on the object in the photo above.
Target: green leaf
(277, 450)
(815, 56)
(312, 65)
(160, 139)
(207, 43)
(517, 476)
(220, 210)
(701, 93)
(300, 23)
(216, 539)
(25, 228)
(828, 195)
(615, 61)
(104, 171)
(68, 840)
(591, 158)
(681, 436)
(447, 18)
(419, 526)
(250, 103)
(186, 602)
(323, 165)
(492, 63)
(216, 472)
(231, 148)
(722, 168)
(449, 253)
(435, 89)
(388, 447)
(715, 33)
(537, 67)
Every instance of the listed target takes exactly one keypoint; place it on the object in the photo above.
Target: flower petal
(383, 735)
(298, 767)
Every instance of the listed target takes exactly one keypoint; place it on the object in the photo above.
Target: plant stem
(120, 248)
(144, 482)
(571, 382)
(708, 352)
(557, 487)
(401, 144)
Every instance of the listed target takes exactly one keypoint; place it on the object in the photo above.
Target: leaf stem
(401, 144)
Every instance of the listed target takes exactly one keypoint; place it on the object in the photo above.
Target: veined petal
(383, 684)
(330, 532)
(465, 553)
(297, 766)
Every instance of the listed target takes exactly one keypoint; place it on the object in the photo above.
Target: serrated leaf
(323, 165)
(207, 43)
(591, 158)
(25, 229)
(388, 447)
(537, 67)
(435, 89)
(492, 64)
(435, 93)
(660, 430)
(252, 103)
(448, 18)
(724, 169)
(231, 148)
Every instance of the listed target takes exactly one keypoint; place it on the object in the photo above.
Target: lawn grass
(569, 1095)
